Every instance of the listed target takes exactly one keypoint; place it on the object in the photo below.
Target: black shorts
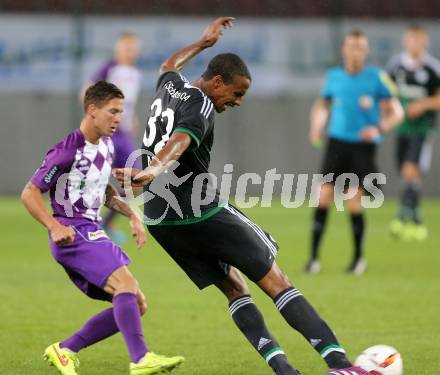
(345, 157)
(206, 250)
(409, 149)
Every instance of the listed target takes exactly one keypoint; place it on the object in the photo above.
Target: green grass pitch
(396, 302)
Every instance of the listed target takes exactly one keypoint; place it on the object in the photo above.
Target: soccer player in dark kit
(210, 240)
(417, 76)
(76, 171)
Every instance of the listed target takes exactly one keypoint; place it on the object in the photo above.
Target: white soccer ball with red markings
(381, 360)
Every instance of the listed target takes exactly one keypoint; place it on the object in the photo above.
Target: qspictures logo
(206, 188)
(296, 189)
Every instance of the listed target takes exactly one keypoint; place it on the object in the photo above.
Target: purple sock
(128, 319)
(98, 328)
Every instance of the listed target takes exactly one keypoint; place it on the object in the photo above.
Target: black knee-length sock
(319, 221)
(251, 323)
(301, 316)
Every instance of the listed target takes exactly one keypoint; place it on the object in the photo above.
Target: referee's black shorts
(206, 250)
(346, 157)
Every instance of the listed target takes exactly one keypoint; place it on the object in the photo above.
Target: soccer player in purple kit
(121, 70)
(76, 172)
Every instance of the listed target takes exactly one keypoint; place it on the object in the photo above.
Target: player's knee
(326, 196)
(241, 288)
(410, 171)
(354, 205)
(127, 285)
(143, 308)
(283, 281)
(274, 282)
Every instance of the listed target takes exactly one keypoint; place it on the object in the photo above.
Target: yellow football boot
(65, 361)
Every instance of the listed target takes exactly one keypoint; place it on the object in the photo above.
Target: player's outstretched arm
(114, 201)
(32, 199)
(212, 33)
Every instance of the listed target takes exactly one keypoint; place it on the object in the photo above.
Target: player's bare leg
(251, 323)
(326, 195)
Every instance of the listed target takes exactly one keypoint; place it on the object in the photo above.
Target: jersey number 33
(161, 121)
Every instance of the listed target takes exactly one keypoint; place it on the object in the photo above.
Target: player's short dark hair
(226, 65)
(100, 93)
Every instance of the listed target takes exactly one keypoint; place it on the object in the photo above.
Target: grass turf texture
(396, 302)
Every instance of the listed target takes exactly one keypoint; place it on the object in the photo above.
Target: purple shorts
(124, 146)
(90, 259)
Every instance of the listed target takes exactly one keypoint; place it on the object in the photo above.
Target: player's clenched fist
(62, 235)
(132, 177)
(214, 31)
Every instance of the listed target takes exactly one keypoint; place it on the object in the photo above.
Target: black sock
(410, 200)
(319, 221)
(301, 316)
(250, 321)
(358, 226)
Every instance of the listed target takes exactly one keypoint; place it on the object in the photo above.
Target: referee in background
(358, 102)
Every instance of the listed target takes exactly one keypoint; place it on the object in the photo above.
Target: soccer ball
(381, 360)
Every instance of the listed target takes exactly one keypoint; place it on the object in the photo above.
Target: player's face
(224, 95)
(415, 42)
(355, 51)
(127, 51)
(106, 119)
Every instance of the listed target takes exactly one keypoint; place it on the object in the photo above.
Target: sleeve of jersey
(387, 88)
(54, 165)
(325, 92)
(436, 81)
(166, 76)
(195, 120)
(391, 67)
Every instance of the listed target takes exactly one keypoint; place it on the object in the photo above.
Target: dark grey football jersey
(185, 193)
(415, 82)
